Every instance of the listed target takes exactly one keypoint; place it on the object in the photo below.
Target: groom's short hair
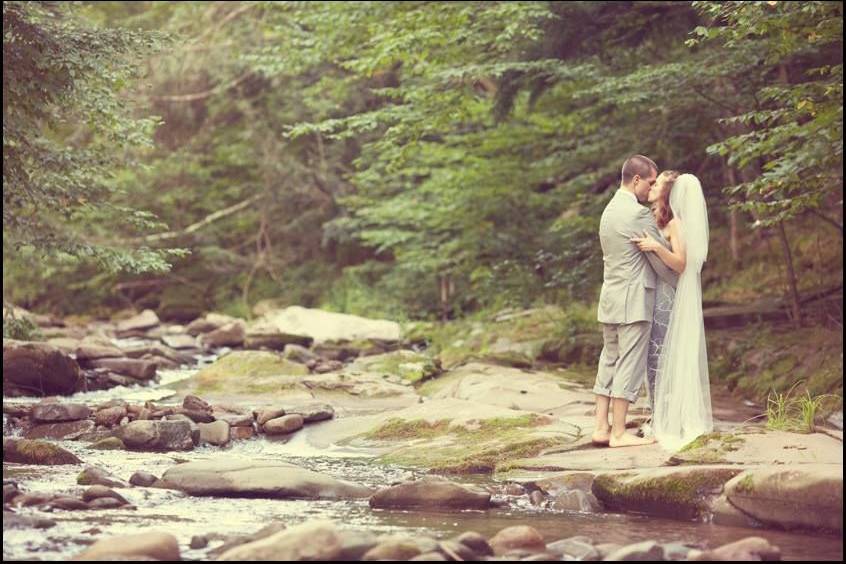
(638, 165)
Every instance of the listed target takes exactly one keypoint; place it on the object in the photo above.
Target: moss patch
(250, 372)
(681, 495)
(708, 449)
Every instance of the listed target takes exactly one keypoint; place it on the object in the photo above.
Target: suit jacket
(628, 279)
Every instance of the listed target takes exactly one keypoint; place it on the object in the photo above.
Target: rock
(147, 319)
(537, 498)
(726, 514)
(312, 413)
(676, 551)
(97, 492)
(239, 478)
(430, 557)
(328, 326)
(283, 425)
(88, 351)
(576, 500)
(355, 544)
(159, 350)
(230, 335)
(199, 541)
(107, 503)
(180, 341)
(314, 540)
(457, 551)
(606, 549)
(475, 542)
(134, 368)
(109, 443)
(216, 433)
(802, 495)
(194, 403)
(158, 545)
(648, 551)
(33, 498)
(195, 430)
(333, 353)
(92, 476)
(241, 433)
(16, 521)
(208, 323)
(10, 491)
(262, 416)
(577, 548)
(38, 369)
(432, 493)
(394, 550)
(298, 353)
(235, 419)
(157, 435)
(258, 338)
(836, 419)
(194, 415)
(519, 537)
(675, 492)
(142, 479)
(57, 412)
(26, 451)
(67, 503)
(325, 366)
(110, 416)
(233, 541)
(748, 549)
(69, 430)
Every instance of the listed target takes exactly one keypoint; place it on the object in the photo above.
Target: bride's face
(657, 189)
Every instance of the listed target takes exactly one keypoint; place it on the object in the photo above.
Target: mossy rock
(708, 449)
(249, 372)
(682, 493)
(109, 443)
(410, 366)
(476, 447)
(25, 451)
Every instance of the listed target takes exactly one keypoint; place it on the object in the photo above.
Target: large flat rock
(325, 326)
(231, 478)
(596, 459)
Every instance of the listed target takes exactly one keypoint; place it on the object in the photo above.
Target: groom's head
(639, 174)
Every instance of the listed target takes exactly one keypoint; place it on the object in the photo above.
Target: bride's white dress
(682, 391)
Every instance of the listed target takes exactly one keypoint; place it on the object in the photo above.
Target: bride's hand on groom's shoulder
(646, 243)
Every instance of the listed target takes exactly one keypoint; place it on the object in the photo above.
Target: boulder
(89, 351)
(69, 430)
(157, 435)
(802, 495)
(475, 542)
(142, 479)
(518, 537)
(262, 416)
(216, 433)
(138, 369)
(431, 493)
(147, 319)
(283, 425)
(56, 412)
(649, 551)
(314, 540)
(110, 416)
(109, 443)
(26, 451)
(230, 335)
(208, 323)
(748, 549)
(180, 341)
(154, 544)
(239, 478)
(38, 369)
(93, 476)
(325, 326)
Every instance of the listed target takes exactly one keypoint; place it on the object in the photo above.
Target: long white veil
(682, 391)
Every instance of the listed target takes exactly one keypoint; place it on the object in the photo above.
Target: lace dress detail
(664, 295)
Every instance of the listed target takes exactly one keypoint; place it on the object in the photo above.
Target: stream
(186, 516)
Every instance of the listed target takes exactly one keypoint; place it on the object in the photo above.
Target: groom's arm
(646, 222)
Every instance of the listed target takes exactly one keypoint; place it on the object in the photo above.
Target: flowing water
(185, 516)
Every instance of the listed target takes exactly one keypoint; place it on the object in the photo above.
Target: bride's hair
(663, 213)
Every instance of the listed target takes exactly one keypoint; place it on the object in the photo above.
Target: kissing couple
(650, 308)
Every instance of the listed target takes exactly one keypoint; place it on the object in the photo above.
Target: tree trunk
(731, 180)
(791, 274)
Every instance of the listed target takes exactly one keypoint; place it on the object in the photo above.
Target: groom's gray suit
(628, 295)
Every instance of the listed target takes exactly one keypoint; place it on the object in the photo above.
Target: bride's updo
(663, 213)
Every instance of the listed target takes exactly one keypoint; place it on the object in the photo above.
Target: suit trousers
(622, 363)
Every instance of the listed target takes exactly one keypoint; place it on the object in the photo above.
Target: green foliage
(65, 133)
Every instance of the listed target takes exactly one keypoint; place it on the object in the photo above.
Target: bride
(682, 400)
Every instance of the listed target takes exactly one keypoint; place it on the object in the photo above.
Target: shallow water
(186, 516)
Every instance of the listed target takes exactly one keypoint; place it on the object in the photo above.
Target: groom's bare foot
(601, 437)
(627, 439)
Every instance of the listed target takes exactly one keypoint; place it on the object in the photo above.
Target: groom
(626, 301)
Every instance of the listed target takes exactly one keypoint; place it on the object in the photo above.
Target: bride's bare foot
(601, 436)
(627, 439)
